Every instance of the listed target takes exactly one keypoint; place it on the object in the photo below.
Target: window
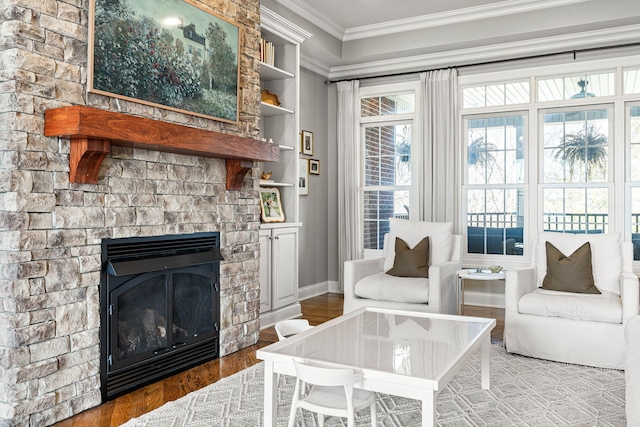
(563, 160)
(575, 190)
(390, 105)
(496, 94)
(634, 143)
(495, 178)
(633, 121)
(632, 81)
(386, 135)
(575, 87)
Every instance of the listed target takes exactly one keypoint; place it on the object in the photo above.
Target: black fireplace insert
(159, 307)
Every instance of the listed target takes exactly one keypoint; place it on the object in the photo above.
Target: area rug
(524, 392)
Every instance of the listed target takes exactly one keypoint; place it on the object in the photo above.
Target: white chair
(286, 328)
(632, 372)
(366, 282)
(289, 327)
(329, 391)
(580, 328)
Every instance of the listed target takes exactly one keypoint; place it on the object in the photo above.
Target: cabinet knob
(277, 237)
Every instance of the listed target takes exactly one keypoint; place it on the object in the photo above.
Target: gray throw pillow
(571, 273)
(411, 262)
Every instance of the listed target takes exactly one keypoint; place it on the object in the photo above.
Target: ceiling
(350, 15)
(371, 37)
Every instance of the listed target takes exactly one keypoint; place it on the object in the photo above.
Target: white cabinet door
(265, 270)
(284, 277)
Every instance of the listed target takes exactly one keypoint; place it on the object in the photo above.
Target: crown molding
(584, 40)
(315, 66)
(314, 16)
(505, 7)
(492, 10)
(274, 22)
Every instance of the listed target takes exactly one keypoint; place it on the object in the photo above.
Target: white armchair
(367, 284)
(580, 328)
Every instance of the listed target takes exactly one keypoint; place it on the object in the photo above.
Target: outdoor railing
(551, 221)
(575, 222)
(506, 220)
(490, 233)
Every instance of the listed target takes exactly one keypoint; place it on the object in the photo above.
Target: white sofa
(585, 329)
(632, 372)
(435, 294)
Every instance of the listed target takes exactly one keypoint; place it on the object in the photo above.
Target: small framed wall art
(271, 205)
(303, 177)
(314, 167)
(306, 143)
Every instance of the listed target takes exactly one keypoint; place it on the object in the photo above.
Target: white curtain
(349, 215)
(439, 154)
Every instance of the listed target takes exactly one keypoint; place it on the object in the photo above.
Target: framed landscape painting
(166, 53)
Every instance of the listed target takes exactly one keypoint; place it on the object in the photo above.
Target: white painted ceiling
(361, 37)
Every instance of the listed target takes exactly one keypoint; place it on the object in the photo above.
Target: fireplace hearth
(160, 308)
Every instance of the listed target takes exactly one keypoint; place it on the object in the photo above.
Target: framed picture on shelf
(314, 167)
(271, 205)
(306, 143)
(303, 178)
(176, 56)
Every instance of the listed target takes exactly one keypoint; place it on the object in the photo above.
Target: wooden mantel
(93, 131)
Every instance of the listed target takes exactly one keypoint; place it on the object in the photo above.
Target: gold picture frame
(271, 205)
(306, 143)
(177, 54)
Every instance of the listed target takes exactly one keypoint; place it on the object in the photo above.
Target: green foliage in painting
(137, 58)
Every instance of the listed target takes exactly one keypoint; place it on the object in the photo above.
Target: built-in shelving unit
(278, 241)
(268, 110)
(269, 72)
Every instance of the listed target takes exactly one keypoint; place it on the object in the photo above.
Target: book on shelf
(267, 52)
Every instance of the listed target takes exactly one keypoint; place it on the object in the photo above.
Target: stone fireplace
(52, 228)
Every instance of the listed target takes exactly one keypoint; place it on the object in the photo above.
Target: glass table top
(414, 344)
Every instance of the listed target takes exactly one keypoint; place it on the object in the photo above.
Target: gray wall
(314, 208)
(332, 239)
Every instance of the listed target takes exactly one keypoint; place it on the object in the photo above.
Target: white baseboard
(484, 299)
(313, 290)
(318, 289)
(272, 317)
(334, 287)
(293, 311)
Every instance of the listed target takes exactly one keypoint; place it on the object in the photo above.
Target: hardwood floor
(317, 310)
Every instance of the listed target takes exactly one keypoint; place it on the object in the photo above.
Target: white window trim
(413, 119)
(512, 261)
(620, 187)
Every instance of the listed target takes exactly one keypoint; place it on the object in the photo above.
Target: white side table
(465, 274)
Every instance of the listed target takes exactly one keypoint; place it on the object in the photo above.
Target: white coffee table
(408, 354)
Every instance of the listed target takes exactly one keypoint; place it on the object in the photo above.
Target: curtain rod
(497, 61)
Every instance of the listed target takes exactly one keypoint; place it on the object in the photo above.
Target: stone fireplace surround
(51, 229)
